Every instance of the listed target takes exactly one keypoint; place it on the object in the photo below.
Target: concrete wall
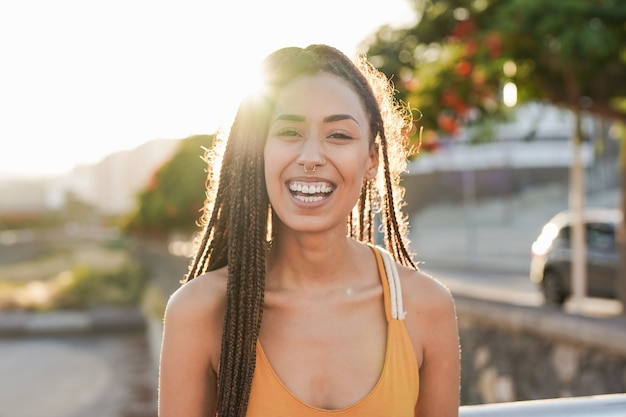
(515, 353)
(432, 188)
(504, 169)
(441, 187)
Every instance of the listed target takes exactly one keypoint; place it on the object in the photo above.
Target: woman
(288, 308)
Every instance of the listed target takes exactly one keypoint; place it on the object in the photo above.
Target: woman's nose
(311, 154)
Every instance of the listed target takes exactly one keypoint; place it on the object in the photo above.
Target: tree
(172, 200)
(456, 60)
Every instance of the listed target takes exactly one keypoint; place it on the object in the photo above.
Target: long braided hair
(236, 221)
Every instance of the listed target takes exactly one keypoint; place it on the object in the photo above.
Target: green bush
(86, 287)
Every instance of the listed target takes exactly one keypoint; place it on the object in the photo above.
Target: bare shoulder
(431, 322)
(199, 299)
(424, 293)
(191, 345)
(194, 317)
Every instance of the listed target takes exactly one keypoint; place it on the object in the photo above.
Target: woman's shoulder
(191, 343)
(430, 315)
(199, 299)
(424, 292)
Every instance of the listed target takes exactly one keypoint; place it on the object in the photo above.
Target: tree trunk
(577, 204)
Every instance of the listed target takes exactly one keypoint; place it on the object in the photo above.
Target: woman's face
(318, 153)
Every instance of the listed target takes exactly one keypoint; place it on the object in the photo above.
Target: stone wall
(513, 353)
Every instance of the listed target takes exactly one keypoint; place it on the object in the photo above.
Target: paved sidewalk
(95, 363)
(94, 375)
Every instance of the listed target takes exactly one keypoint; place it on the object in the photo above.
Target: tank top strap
(390, 279)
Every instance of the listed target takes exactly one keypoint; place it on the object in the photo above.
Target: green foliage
(87, 287)
(173, 198)
(450, 66)
(76, 275)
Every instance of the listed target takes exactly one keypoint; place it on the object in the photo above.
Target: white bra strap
(395, 290)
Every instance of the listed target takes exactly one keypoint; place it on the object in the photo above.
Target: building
(111, 185)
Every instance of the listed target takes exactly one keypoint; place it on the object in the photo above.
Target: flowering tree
(453, 64)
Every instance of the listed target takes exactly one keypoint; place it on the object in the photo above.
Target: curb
(103, 319)
(495, 266)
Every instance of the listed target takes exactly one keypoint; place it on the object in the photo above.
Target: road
(510, 287)
(95, 375)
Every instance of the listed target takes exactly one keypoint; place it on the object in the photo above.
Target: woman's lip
(310, 199)
(309, 202)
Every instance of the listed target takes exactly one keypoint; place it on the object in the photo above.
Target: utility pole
(577, 230)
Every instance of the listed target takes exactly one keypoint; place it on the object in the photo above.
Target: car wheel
(553, 289)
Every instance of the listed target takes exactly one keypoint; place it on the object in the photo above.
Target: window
(600, 236)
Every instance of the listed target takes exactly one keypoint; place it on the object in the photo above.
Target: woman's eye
(288, 132)
(340, 135)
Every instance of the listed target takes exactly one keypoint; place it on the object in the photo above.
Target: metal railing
(610, 405)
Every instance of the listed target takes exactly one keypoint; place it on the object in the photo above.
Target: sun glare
(76, 89)
(245, 82)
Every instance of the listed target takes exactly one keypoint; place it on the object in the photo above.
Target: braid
(361, 207)
(246, 243)
(394, 236)
(388, 122)
(235, 234)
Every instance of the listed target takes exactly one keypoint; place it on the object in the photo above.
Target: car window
(564, 234)
(600, 235)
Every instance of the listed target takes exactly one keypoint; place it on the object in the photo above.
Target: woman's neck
(310, 260)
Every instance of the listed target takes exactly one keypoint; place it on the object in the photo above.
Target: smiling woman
(321, 124)
(288, 307)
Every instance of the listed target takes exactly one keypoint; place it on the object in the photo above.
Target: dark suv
(551, 255)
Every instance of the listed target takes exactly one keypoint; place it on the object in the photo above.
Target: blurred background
(106, 110)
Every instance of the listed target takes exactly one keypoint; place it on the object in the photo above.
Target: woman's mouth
(310, 192)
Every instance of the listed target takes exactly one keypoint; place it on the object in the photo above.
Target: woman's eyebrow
(327, 119)
(338, 117)
(290, 118)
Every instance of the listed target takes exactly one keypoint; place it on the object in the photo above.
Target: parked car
(551, 255)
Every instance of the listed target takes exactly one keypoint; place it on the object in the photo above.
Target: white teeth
(309, 199)
(305, 188)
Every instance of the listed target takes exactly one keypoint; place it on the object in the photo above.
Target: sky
(81, 79)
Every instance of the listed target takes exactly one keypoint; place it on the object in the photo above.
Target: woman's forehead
(321, 94)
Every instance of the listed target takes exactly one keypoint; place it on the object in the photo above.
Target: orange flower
(464, 68)
(463, 29)
(494, 45)
(470, 47)
(448, 124)
(451, 99)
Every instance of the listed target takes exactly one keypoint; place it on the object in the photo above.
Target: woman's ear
(372, 168)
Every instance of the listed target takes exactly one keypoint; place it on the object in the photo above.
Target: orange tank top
(395, 394)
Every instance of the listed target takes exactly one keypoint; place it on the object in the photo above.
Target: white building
(539, 136)
(110, 185)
